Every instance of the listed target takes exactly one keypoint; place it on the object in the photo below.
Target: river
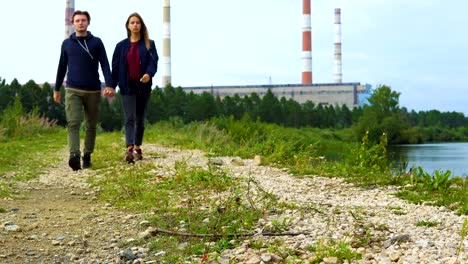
(435, 156)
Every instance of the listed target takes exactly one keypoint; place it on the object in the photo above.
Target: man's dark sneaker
(129, 156)
(86, 160)
(74, 162)
(138, 155)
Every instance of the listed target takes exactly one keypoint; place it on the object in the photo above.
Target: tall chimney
(306, 44)
(69, 9)
(166, 57)
(338, 73)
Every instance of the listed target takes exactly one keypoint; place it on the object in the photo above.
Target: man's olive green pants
(78, 102)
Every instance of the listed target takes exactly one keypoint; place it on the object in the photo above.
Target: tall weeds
(15, 123)
(368, 162)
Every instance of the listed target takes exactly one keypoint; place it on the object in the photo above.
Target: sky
(417, 47)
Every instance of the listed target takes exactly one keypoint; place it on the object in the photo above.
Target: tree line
(382, 115)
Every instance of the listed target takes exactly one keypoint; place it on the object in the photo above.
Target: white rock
(12, 228)
(145, 223)
(394, 256)
(331, 260)
(253, 260)
(266, 257)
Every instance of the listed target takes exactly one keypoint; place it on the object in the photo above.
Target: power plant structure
(166, 54)
(69, 9)
(338, 73)
(306, 43)
(351, 94)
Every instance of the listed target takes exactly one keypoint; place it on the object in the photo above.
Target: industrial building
(349, 94)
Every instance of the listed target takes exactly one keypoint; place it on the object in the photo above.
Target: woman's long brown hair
(143, 30)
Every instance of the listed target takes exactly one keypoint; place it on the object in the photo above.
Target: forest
(382, 115)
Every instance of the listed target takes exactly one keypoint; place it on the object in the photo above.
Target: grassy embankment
(193, 195)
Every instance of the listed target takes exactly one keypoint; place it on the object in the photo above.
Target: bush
(15, 123)
(368, 157)
(367, 163)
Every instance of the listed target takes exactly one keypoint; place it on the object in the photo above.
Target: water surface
(435, 156)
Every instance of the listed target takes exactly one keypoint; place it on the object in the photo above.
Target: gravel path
(60, 220)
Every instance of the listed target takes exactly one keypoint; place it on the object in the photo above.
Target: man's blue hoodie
(81, 56)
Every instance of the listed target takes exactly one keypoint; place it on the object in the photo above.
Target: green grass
(31, 154)
(233, 138)
(24, 158)
(427, 223)
(341, 249)
(463, 233)
(454, 194)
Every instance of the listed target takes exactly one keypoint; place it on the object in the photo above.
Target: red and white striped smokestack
(338, 64)
(166, 57)
(306, 44)
(69, 9)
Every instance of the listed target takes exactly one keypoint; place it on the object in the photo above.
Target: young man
(80, 56)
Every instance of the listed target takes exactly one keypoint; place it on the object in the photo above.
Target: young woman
(134, 63)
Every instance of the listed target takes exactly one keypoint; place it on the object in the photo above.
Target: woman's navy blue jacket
(148, 64)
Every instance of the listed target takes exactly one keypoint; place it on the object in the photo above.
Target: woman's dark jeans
(135, 114)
